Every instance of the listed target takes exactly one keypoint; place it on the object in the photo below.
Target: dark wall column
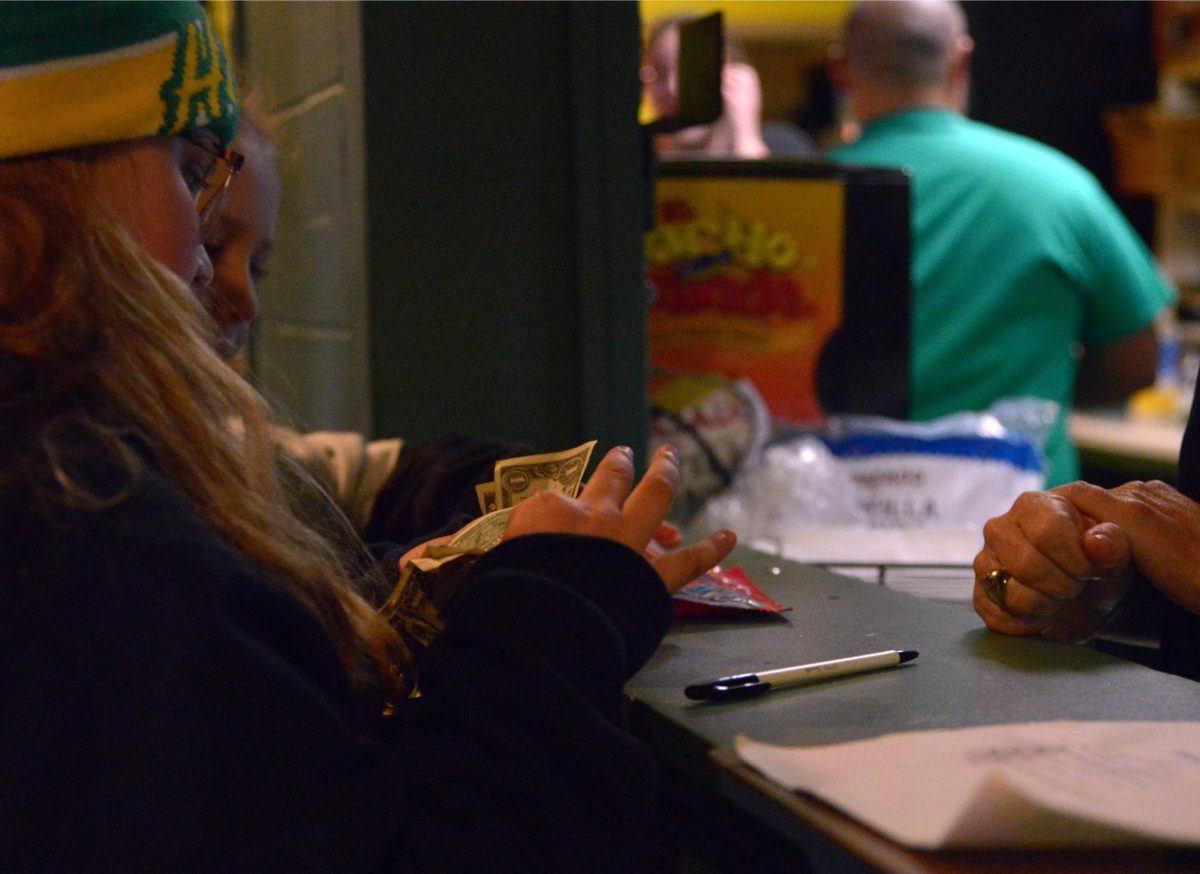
(504, 221)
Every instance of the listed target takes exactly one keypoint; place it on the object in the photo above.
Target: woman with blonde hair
(188, 680)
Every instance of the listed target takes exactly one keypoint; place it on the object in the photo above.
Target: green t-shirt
(1018, 256)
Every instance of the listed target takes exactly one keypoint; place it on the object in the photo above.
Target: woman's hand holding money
(613, 507)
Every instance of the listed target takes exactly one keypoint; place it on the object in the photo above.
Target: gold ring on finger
(994, 584)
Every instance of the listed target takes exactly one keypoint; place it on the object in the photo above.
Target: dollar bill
(486, 493)
(516, 479)
(484, 533)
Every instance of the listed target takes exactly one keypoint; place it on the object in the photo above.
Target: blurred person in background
(739, 131)
(1026, 278)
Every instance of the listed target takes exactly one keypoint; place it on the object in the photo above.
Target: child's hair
(101, 345)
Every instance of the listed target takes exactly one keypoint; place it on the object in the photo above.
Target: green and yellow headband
(85, 73)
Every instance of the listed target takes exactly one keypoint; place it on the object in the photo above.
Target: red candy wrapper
(722, 592)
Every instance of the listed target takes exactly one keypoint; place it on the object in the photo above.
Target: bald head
(907, 52)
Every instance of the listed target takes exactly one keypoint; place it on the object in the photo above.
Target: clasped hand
(1073, 552)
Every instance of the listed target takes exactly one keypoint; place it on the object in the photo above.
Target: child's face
(150, 186)
(240, 245)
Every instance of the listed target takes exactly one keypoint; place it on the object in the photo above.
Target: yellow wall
(782, 19)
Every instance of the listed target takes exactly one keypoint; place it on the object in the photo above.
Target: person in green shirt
(1026, 278)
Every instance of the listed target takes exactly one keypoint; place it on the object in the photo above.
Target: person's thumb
(1107, 548)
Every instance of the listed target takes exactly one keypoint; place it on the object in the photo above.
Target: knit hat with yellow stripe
(86, 73)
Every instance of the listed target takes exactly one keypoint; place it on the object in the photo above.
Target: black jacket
(166, 705)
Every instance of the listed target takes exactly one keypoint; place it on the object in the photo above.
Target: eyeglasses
(218, 179)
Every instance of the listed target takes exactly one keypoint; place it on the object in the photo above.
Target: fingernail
(1107, 547)
(669, 451)
(725, 539)
(624, 449)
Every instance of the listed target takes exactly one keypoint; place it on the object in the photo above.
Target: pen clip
(728, 688)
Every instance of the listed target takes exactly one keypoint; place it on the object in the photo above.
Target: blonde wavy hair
(101, 344)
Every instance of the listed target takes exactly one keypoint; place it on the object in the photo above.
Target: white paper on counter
(1040, 784)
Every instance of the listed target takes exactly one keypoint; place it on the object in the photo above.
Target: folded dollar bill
(515, 480)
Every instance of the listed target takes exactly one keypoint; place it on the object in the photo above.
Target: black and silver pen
(751, 685)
